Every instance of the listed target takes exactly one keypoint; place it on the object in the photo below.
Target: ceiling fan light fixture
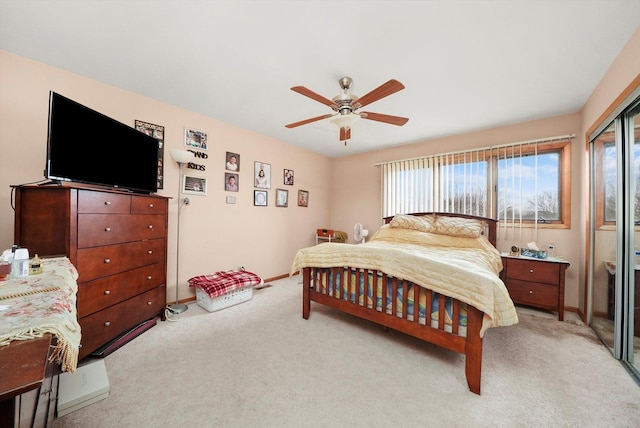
(345, 120)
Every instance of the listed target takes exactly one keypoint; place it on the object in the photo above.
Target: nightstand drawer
(533, 294)
(535, 271)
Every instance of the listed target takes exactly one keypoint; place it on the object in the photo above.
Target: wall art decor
(260, 198)
(282, 198)
(303, 198)
(288, 177)
(231, 199)
(194, 185)
(262, 174)
(232, 162)
(157, 132)
(194, 138)
(231, 182)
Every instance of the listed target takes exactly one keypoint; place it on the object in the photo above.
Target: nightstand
(535, 282)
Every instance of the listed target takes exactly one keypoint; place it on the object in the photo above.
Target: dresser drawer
(533, 294)
(148, 205)
(536, 271)
(106, 325)
(108, 291)
(96, 262)
(106, 229)
(103, 202)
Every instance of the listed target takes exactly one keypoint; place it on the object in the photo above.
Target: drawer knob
(149, 303)
(150, 252)
(530, 291)
(149, 278)
(107, 324)
(107, 229)
(150, 226)
(107, 292)
(107, 202)
(107, 260)
(530, 270)
(150, 205)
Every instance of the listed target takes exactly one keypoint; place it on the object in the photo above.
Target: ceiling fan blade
(313, 119)
(386, 118)
(384, 90)
(345, 134)
(314, 96)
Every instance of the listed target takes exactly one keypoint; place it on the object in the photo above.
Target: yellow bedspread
(464, 268)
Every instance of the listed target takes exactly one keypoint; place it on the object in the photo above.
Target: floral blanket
(33, 306)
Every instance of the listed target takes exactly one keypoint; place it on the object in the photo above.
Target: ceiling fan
(346, 105)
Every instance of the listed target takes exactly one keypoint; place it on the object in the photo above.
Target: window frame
(563, 148)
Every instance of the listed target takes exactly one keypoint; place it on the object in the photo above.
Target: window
(605, 155)
(526, 183)
(529, 184)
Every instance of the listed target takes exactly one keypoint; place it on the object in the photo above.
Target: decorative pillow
(458, 226)
(421, 223)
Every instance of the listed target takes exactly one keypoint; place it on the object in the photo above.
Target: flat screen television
(85, 146)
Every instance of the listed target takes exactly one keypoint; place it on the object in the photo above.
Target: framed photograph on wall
(194, 185)
(157, 132)
(303, 198)
(260, 198)
(262, 174)
(232, 162)
(231, 182)
(282, 198)
(288, 177)
(195, 139)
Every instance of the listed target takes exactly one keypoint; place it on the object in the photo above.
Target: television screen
(85, 146)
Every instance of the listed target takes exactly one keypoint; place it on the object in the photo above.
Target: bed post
(306, 296)
(473, 349)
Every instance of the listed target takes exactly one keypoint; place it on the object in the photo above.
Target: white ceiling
(466, 65)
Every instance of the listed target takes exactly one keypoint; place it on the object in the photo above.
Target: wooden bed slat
(455, 314)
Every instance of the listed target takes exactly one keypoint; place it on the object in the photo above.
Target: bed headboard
(490, 231)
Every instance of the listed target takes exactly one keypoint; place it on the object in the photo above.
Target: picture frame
(260, 198)
(288, 177)
(232, 162)
(282, 198)
(194, 185)
(157, 132)
(303, 198)
(231, 182)
(195, 139)
(262, 175)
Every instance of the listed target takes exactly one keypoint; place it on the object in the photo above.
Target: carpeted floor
(259, 364)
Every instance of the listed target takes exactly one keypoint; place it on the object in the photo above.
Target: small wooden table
(535, 282)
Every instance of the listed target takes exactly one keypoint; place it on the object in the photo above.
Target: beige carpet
(259, 364)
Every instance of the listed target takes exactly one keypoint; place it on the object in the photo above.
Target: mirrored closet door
(614, 274)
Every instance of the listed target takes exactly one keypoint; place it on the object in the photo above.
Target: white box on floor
(87, 385)
(230, 298)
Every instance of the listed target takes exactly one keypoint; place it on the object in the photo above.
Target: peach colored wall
(356, 184)
(214, 235)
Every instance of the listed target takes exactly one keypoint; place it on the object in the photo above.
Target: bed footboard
(402, 306)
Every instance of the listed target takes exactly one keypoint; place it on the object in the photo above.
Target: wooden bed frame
(469, 345)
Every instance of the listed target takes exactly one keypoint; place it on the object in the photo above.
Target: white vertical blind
(465, 182)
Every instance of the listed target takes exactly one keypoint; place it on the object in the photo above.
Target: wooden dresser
(535, 282)
(118, 243)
